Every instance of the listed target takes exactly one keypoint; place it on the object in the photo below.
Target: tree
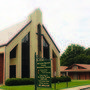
(71, 54)
(81, 59)
(87, 51)
(88, 59)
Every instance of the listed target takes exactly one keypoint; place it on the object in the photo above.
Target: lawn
(73, 83)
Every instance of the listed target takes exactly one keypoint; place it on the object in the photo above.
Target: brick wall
(1, 68)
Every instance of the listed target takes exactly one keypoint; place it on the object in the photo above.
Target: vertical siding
(79, 75)
(70, 74)
(87, 75)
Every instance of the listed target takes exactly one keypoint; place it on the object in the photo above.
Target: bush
(61, 79)
(30, 81)
(68, 79)
(19, 81)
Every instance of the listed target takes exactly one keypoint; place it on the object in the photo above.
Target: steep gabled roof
(7, 35)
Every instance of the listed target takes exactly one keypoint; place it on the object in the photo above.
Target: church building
(18, 45)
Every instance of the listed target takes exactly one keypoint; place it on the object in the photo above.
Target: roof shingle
(7, 34)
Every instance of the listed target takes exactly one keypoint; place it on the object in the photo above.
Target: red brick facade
(54, 66)
(77, 71)
(1, 68)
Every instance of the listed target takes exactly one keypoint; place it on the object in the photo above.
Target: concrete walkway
(77, 88)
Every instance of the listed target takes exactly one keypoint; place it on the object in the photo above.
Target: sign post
(43, 72)
(55, 80)
(35, 73)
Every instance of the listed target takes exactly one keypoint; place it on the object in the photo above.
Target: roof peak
(36, 16)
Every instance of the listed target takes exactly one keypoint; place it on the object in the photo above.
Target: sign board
(43, 72)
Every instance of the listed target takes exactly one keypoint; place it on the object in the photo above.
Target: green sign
(43, 72)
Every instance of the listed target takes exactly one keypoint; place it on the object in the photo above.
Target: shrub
(19, 81)
(68, 79)
(30, 81)
(61, 79)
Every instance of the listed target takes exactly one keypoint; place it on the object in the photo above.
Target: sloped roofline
(51, 38)
(73, 65)
(23, 29)
(17, 34)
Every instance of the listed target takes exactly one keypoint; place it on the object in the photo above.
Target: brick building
(76, 71)
(18, 45)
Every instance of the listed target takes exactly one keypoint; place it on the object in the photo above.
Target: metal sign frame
(42, 72)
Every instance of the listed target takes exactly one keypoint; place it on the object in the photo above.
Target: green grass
(73, 83)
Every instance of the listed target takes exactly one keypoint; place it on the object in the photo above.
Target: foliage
(61, 79)
(87, 51)
(75, 54)
(19, 81)
(30, 81)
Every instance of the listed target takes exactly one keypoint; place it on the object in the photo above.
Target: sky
(67, 21)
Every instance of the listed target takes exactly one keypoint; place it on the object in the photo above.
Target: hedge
(30, 81)
(19, 81)
(61, 79)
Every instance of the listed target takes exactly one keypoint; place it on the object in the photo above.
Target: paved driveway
(78, 88)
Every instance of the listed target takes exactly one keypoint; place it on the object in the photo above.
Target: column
(7, 64)
(58, 66)
(18, 64)
(66, 73)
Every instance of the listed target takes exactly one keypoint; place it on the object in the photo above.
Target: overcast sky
(67, 21)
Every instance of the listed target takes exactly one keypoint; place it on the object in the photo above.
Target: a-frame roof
(7, 35)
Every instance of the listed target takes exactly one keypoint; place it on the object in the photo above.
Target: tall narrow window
(12, 71)
(13, 52)
(39, 37)
(25, 56)
(45, 49)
